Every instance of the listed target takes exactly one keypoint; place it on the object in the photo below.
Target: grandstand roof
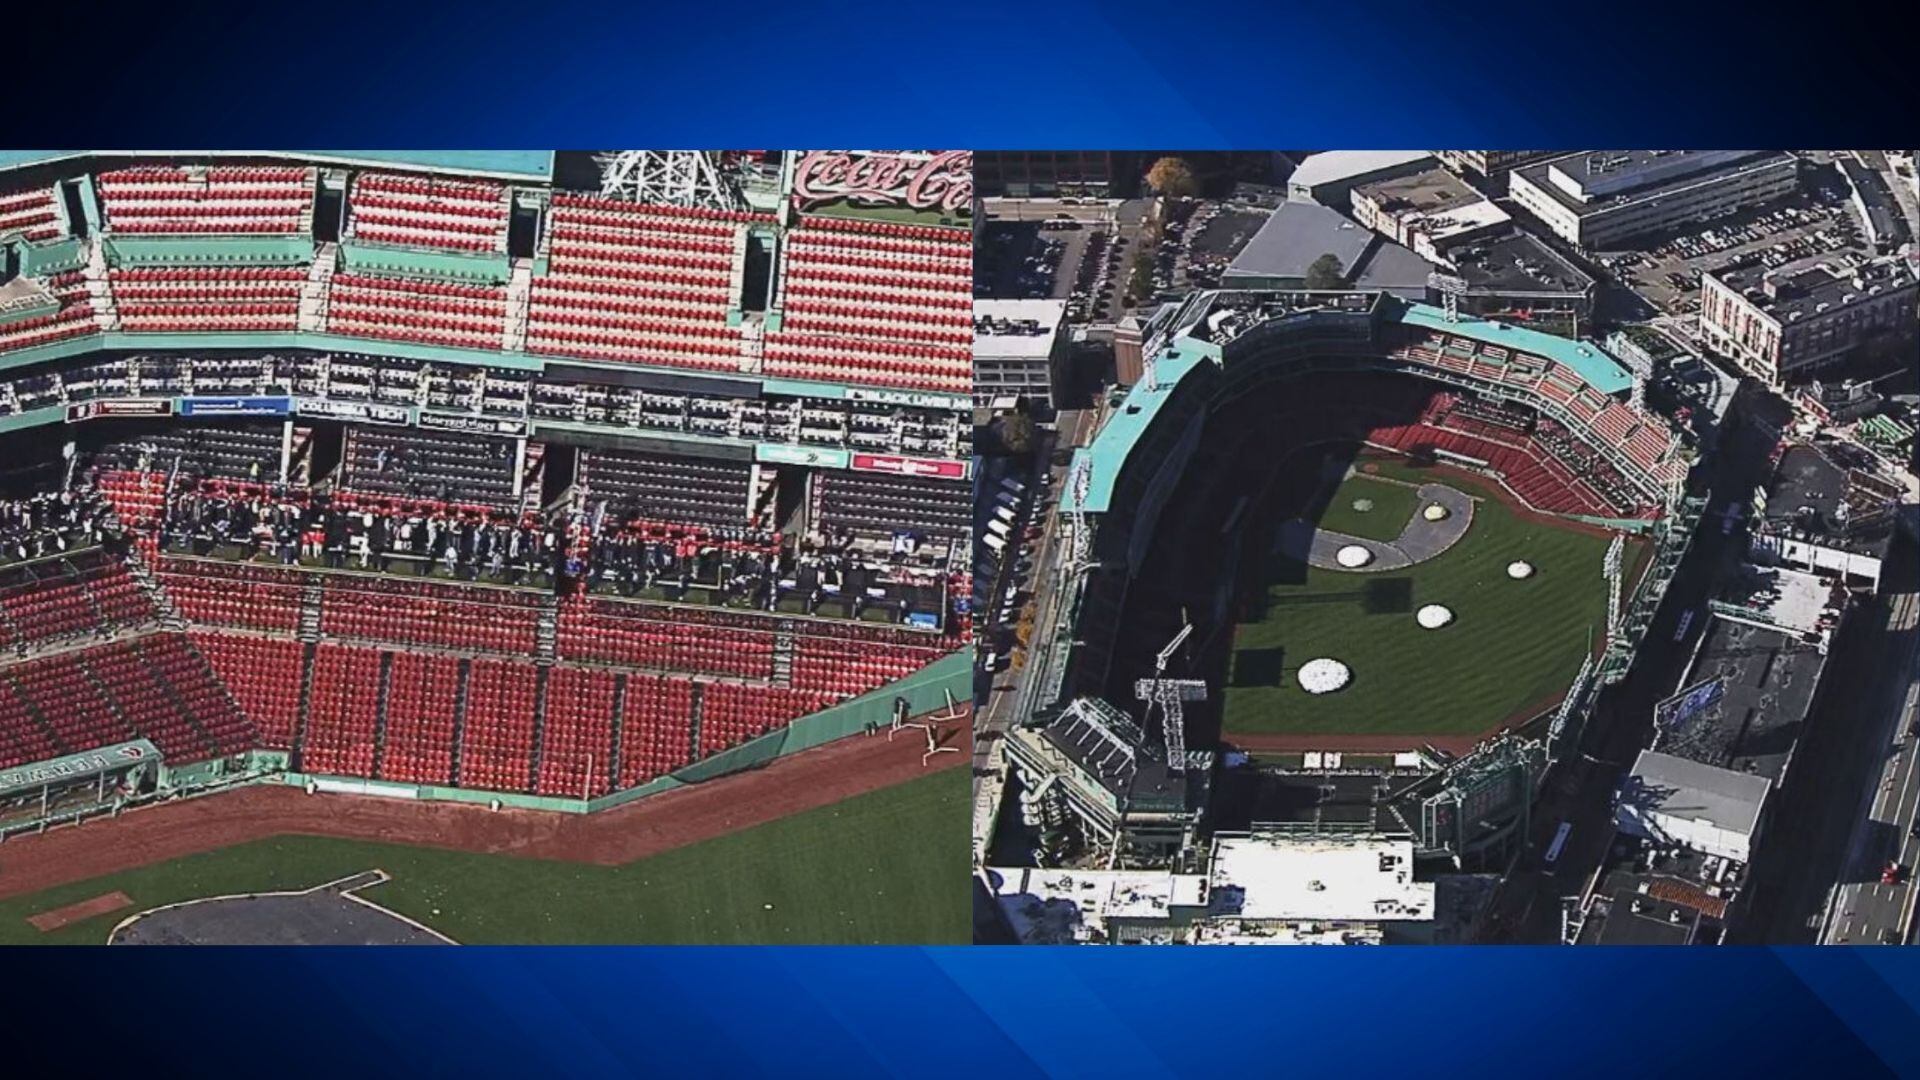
(22, 159)
(1600, 370)
(508, 164)
(1109, 449)
(505, 164)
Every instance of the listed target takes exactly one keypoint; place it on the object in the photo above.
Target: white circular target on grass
(1519, 571)
(1433, 616)
(1353, 556)
(1324, 676)
(1363, 505)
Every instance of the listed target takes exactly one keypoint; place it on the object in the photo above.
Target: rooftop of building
(1516, 261)
(1296, 234)
(1290, 876)
(1333, 166)
(1695, 791)
(1427, 191)
(1590, 180)
(1769, 680)
(1820, 284)
(1812, 495)
(1017, 328)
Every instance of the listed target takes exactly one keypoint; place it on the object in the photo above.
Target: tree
(1016, 433)
(1326, 273)
(1172, 177)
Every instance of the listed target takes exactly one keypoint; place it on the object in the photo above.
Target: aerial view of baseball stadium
(483, 547)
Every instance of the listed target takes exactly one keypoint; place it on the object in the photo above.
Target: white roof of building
(1055, 906)
(1687, 790)
(1050, 314)
(1327, 878)
(1332, 166)
(1444, 223)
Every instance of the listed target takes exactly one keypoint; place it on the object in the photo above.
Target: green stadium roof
(1109, 450)
(1593, 364)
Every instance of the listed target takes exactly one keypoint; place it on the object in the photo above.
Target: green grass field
(1512, 644)
(883, 867)
(1393, 506)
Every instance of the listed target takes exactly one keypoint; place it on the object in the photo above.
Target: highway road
(1864, 911)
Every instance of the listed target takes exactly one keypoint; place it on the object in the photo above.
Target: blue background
(487, 74)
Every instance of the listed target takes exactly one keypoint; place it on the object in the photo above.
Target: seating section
(576, 748)
(411, 612)
(208, 200)
(207, 299)
(417, 746)
(656, 728)
(343, 712)
(33, 214)
(23, 737)
(664, 638)
(127, 685)
(156, 687)
(659, 487)
(234, 594)
(418, 463)
(73, 319)
(732, 714)
(845, 666)
(245, 452)
(874, 302)
(263, 675)
(89, 594)
(497, 750)
(429, 212)
(642, 284)
(418, 311)
(881, 505)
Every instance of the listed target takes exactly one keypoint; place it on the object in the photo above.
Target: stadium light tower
(1080, 531)
(1612, 568)
(1171, 695)
(670, 178)
(1451, 288)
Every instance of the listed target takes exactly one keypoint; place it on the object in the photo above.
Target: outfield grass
(1513, 644)
(1393, 506)
(884, 867)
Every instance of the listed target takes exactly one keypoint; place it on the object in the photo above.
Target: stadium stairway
(545, 632)
(170, 616)
(318, 288)
(99, 292)
(542, 678)
(306, 696)
(310, 611)
(693, 723)
(460, 717)
(382, 702)
(783, 652)
(619, 728)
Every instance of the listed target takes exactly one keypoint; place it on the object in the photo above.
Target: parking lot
(1666, 272)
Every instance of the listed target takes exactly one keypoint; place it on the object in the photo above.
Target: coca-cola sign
(919, 182)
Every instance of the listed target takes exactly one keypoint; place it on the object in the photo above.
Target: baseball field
(874, 868)
(1513, 647)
